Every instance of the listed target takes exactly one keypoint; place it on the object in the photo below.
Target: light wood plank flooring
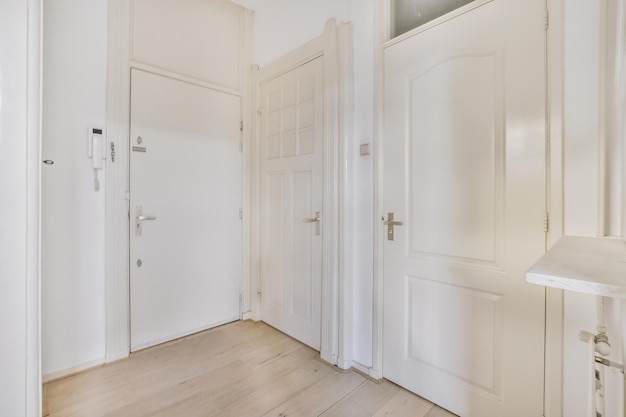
(242, 369)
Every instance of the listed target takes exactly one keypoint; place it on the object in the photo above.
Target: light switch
(364, 149)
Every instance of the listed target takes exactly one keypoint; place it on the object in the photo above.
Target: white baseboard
(366, 370)
(344, 364)
(72, 370)
(328, 357)
(117, 355)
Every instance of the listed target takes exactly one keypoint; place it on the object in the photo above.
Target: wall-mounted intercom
(96, 150)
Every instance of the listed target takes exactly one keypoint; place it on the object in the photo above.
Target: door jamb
(335, 45)
(117, 197)
(553, 381)
(117, 292)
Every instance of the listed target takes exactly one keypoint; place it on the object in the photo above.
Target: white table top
(583, 264)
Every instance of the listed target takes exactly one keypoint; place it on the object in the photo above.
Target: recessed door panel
(456, 120)
(470, 350)
(303, 239)
(274, 263)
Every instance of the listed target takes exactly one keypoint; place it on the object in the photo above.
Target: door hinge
(546, 19)
(258, 292)
(240, 298)
(241, 125)
(546, 222)
(112, 151)
(240, 214)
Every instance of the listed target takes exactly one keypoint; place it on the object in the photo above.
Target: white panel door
(291, 153)
(185, 171)
(464, 171)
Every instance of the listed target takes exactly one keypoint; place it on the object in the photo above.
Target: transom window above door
(409, 14)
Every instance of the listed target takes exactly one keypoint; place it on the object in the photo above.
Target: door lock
(139, 219)
(390, 222)
(315, 220)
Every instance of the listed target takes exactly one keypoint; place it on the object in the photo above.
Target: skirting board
(367, 371)
(117, 355)
(52, 376)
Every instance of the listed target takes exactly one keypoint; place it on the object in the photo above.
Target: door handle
(139, 219)
(390, 223)
(144, 218)
(315, 220)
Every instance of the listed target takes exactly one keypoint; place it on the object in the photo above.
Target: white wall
(74, 98)
(19, 208)
(582, 122)
(283, 25)
(592, 200)
(581, 171)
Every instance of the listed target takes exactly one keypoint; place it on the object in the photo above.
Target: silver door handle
(315, 220)
(390, 223)
(139, 219)
(143, 218)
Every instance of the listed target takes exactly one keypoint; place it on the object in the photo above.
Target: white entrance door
(464, 171)
(291, 153)
(185, 188)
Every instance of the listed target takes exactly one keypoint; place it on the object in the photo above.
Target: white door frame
(554, 193)
(117, 274)
(21, 220)
(335, 45)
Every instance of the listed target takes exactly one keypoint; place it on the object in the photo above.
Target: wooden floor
(242, 369)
